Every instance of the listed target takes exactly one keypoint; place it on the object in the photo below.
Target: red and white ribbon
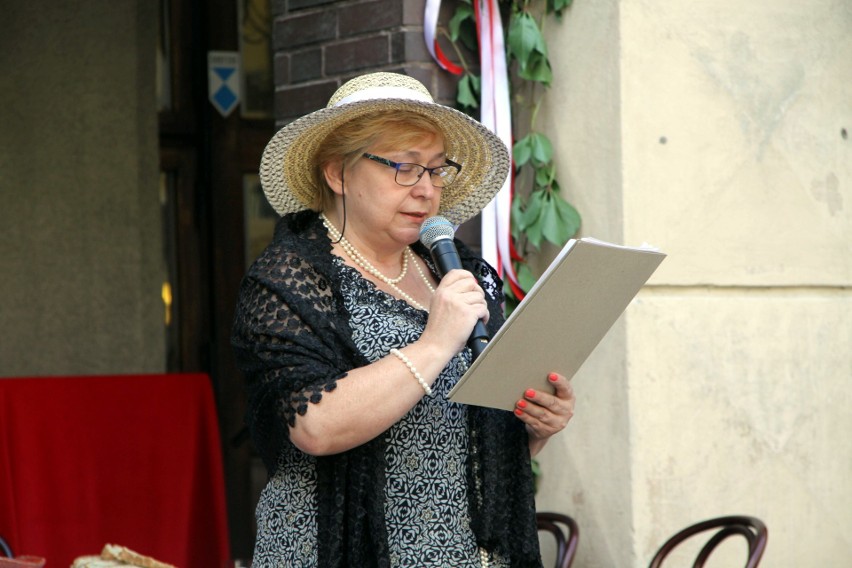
(430, 26)
(496, 115)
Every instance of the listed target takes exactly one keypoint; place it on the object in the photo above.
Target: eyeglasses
(409, 174)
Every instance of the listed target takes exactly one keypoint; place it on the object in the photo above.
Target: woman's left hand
(545, 413)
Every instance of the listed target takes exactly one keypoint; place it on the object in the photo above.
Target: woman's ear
(333, 172)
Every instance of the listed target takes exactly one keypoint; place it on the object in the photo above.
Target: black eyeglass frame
(397, 165)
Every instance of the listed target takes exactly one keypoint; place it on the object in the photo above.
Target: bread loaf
(115, 556)
(124, 554)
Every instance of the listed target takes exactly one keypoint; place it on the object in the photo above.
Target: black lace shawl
(292, 341)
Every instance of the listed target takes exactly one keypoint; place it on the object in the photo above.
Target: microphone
(436, 234)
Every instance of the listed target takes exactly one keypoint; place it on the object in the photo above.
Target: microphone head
(434, 229)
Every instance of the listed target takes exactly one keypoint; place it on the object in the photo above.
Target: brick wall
(320, 44)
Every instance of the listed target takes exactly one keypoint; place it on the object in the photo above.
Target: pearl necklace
(360, 260)
(420, 272)
(364, 264)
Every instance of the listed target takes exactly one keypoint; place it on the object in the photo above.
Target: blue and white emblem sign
(223, 80)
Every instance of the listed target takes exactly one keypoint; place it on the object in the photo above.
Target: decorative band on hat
(373, 93)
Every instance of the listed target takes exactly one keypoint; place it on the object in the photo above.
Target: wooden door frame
(210, 154)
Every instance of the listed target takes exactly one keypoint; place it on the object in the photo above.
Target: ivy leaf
(557, 6)
(462, 26)
(533, 210)
(526, 44)
(468, 37)
(537, 69)
(554, 183)
(525, 277)
(522, 151)
(559, 220)
(475, 82)
(467, 92)
(568, 215)
(542, 149)
(525, 40)
(511, 302)
(551, 227)
(464, 12)
(517, 217)
(544, 176)
(534, 234)
(532, 218)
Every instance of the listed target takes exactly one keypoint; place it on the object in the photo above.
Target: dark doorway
(214, 217)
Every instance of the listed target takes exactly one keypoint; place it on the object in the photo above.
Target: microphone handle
(446, 258)
(478, 339)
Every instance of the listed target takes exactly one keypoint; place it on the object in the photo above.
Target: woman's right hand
(373, 397)
(457, 304)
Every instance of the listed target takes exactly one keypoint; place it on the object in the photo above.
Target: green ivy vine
(539, 212)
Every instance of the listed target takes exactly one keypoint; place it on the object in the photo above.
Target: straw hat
(284, 167)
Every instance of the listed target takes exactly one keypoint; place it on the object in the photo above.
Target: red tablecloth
(128, 460)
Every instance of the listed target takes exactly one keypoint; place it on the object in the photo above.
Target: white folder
(559, 323)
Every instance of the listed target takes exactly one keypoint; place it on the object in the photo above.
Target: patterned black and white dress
(426, 501)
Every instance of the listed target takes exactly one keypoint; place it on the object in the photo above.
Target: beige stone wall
(80, 229)
(718, 131)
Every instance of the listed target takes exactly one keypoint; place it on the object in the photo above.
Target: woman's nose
(424, 187)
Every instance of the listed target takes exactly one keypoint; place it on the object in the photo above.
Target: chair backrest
(566, 532)
(751, 528)
(4, 548)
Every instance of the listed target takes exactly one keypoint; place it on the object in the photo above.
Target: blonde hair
(400, 129)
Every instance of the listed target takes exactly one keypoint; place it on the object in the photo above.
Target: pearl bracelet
(402, 357)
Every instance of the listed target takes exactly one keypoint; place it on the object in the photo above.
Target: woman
(350, 344)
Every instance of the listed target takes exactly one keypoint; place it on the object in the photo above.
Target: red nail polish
(530, 393)
(519, 412)
(522, 403)
(553, 377)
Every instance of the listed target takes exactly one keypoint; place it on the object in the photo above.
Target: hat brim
(285, 165)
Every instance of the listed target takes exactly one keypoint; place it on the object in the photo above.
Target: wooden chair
(750, 528)
(566, 532)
